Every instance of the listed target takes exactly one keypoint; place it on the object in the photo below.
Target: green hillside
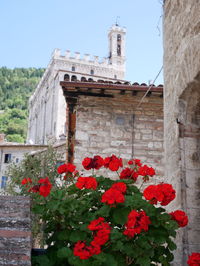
(16, 86)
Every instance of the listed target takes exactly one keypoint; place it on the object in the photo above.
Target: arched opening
(83, 79)
(73, 78)
(66, 77)
(189, 145)
(90, 80)
(92, 72)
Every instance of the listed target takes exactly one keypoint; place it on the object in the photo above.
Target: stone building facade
(107, 119)
(47, 107)
(182, 115)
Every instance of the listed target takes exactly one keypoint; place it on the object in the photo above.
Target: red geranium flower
(112, 196)
(120, 186)
(113, 163)
(128, 173)
(137, 222)
(135, 162)
(96, 162)
(26, 181)
(146, 171)
(85, 252)
(180, 217)
(96, 224)
(86, 182)
(64, 168)
(194, 259)
(45, 186)
(164, 193)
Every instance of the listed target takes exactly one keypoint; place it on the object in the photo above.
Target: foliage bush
(94, 220)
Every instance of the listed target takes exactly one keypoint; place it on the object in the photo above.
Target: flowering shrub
(97, 221)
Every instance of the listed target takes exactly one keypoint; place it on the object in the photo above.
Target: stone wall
(107, 126)
(181, 114)
(15, 231)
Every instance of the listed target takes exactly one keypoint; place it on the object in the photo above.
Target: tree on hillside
(16, 86)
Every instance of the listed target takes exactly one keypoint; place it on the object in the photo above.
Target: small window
(118, 37)
(91, 72)
(73, 68)
(66, 77)
(17, 160)
(7, 158)
(4, 181)
(115, 76)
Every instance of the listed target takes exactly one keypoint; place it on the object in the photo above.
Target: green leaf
(63, 235)
(110, 260)
(77, 235)
(115, 235)
(40, 261)
(143, 261)
(64, 252)
(171, 245)
(120, 215)
(104, 211)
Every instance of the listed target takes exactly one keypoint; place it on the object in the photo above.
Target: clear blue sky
(31, 29)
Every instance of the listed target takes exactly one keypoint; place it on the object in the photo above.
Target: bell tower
(116, 38)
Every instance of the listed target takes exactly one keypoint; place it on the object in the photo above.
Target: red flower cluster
(128, 173)
(120, 186)
(146, 171)
(86, 182)
(84, 252)
(194, 259)
(96, 162)
(135, 162)
(113, 163)
(44, 187)
(64, 168)
(101, 231)
(180, 217)
(164, 193)
(26, 181)
(137, 222)
(114, 194)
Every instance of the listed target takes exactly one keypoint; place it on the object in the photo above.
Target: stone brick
(15, 231)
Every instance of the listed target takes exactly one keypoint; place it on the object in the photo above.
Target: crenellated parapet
(76, 57)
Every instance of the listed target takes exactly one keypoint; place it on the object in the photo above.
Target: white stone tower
(47, 106)
(116, 38)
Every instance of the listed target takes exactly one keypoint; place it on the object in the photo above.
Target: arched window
(90, 80)
(73, 78)
(83, 79)
(73, 68)
(92, 72)
(66, 77)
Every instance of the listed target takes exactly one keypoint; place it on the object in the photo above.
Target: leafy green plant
(94, 220)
